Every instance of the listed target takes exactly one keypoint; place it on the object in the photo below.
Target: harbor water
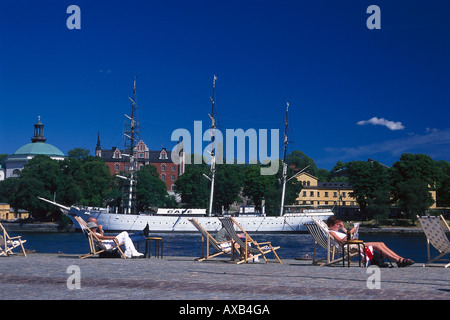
(412, 246)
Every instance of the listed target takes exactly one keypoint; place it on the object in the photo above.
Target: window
(163, 167)
(335, 194)
(173, 178)
(318, 194)
(163, 177)
(311, 193)
(304, 193)
(173, 168)
(326, 194)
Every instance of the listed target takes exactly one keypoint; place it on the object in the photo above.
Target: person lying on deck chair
(339, 234)
(135, 237)
(123, 237)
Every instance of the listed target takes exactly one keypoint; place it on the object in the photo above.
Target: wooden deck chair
(437, 238)
(257, 249)
(7, 243)
(209, 241)
(322, 240)
(321, 235)
(95, 244)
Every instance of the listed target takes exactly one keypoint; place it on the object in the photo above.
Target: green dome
(39, 148)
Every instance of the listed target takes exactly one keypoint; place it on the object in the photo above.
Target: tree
(257, 186)
(40, 177)
(269, 187)
(80, 154)
(193, 187)
(414, 197)
(228, 185)
(95, 178)
(412, 179)
(300, 160)
(443, 190)
(151, 190)
(370, 183)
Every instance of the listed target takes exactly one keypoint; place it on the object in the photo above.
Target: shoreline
(57, 227)
(37, 227)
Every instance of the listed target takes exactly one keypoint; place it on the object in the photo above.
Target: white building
(16, 161)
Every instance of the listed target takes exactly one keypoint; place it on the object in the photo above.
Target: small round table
(158, 242)
(346, 253)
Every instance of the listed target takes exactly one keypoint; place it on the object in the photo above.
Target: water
(189, 244)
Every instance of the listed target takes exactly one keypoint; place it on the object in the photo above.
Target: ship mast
(213, 151)
(284, 160)
(131, 137)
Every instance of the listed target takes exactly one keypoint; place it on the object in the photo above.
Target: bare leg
(380, 246)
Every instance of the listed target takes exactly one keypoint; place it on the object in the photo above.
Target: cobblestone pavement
(50, 276)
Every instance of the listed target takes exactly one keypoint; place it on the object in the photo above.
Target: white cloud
(382, 122)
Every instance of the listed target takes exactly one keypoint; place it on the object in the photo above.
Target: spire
(38, 132)
(98, 142)
(98, 149)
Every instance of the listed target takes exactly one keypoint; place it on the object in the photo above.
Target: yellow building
(317, 193)
(6, 213)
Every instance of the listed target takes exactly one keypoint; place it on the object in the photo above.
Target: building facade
(8, 213)
(315, 193)
(118, 161)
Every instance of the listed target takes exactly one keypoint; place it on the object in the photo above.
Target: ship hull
(111, 222)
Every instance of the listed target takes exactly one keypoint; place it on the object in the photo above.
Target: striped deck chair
(207, 241)
(257, 249)
(7, 243)
(95, 244)
(321, 235)
(437, 238)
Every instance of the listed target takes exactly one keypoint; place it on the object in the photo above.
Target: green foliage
(412, 179)
(86, 180)
(370, 183)
(193, 187)
(443, 191)
(269, 187)
(301, 160)
(228, 185)
(151, 190)
(80, 178)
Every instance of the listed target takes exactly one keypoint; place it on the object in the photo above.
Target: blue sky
(354, 93)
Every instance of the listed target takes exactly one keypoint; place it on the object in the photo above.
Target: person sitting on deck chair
(339, 234)
(222, 236)
(123, 237)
